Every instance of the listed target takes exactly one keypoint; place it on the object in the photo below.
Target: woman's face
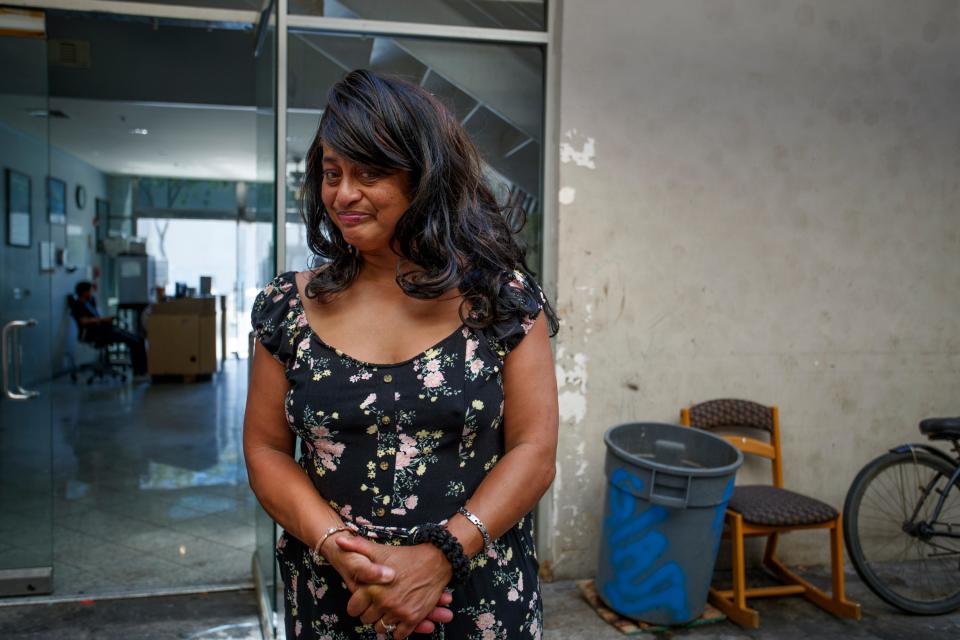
(364, 203)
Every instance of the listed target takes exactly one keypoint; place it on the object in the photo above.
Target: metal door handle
(12, 328)
(4, 342)
(19, 361)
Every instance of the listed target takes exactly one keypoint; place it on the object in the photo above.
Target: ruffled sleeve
(275, 317)
(527, 296)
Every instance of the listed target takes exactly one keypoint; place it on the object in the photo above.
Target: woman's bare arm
(531, 419)
(279, 483)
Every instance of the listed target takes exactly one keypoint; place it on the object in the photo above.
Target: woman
(414, 363)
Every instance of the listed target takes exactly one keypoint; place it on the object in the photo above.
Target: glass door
(496, 90)
(263, 255)
(34, 210)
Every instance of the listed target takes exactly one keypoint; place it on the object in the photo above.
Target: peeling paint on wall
(582, 157)
(572, 383)
(582, 463)
(557, 495)
(573, 406)
(567, 195)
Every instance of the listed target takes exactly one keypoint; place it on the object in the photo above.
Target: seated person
(97, 328)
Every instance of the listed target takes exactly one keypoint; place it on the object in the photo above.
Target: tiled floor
(149, 488)
(229, 615)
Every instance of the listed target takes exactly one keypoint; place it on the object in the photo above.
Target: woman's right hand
(357, 570)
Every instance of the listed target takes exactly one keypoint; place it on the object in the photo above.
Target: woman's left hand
(422, 573)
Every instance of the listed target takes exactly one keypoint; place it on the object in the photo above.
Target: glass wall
(137, 477)
(495, 90)
(141, 478)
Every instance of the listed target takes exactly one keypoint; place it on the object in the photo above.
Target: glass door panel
(27, 264)
(497, 92)
(262, 254)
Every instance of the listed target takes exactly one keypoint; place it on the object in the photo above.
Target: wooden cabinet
(182, 334)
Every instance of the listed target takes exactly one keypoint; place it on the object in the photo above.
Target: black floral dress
(394, 446)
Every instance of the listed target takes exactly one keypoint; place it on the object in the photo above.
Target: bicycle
(901, 523)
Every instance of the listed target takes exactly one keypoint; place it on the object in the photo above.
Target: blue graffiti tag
(635, 545)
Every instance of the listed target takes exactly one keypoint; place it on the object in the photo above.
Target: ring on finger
(389, 628)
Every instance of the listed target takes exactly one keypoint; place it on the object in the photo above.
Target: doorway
(142, 465)
(130, 152)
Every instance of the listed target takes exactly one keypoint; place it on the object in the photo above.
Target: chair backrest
(73, 306)
(731, 413)
(72, 302)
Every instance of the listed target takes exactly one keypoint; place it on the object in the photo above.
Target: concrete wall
(759, 199)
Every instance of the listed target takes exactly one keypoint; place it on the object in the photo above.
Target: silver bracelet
(487, 543)
(317, 555)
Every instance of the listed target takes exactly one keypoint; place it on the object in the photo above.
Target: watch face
(81, 196)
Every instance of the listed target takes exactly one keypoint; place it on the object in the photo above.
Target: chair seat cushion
(766, 505)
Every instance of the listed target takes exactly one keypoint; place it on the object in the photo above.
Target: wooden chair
(763, 510)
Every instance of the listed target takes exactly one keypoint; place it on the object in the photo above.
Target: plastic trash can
(667, 491)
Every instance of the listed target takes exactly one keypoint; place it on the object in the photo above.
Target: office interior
(146, 147)
(149, 171)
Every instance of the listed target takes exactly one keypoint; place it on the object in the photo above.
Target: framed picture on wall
(17, 208)
(56, 201)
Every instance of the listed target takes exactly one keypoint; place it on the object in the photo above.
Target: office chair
(104, 365)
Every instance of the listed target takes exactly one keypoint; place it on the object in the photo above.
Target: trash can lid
(673, 448)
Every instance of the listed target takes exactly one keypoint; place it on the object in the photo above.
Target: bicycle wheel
(913, 569)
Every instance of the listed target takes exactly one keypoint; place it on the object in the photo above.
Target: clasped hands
(397, 586)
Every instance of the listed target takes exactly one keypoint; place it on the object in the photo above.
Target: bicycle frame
(953, 480)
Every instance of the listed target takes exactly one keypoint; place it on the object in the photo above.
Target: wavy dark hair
(454, 234)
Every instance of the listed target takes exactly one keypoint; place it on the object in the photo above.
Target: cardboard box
(183, 337)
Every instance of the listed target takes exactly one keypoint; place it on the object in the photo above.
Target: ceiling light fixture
(139, 132)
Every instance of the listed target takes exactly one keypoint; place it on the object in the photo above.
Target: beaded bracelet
(441, 538)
